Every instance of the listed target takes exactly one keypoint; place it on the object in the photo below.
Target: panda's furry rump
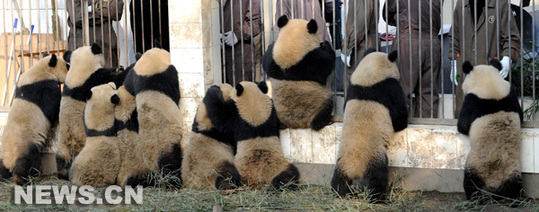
(315, 99)
(98, 163)
(204, 159)
(495, 151)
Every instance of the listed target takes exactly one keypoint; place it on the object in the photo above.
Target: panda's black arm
(328, 56)
(515, 106)
(220, 112)
(398, 110)
(467, 114)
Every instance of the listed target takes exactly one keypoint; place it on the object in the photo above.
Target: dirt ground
(305, 198)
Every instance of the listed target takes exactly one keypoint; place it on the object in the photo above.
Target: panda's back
(495, 146)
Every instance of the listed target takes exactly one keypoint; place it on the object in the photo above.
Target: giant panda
(86, 71)
(298, 67)
(98, 162)
(492, 117)
(32, 117)
(157, 96)
(250, 115)
(375, 109)
(209, 158)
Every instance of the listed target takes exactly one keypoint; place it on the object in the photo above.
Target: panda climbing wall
(375, 109)
(98, 162)
(32, 117)
(250, 115)
(209, 157)
(492, 117)
(298, 67)
(86, 71)
(157, 96)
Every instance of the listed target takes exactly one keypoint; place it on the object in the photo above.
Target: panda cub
(154, 82)
(299, 66)
(32, 117)
(492, 117)
(375, 109)
(209, 157)
(86, 71)
(98, 162)
(250, 115)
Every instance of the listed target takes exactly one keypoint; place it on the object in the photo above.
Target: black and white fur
(375, 109)
(250, 115)
(298, 67)
(32, 118)
(491, 116)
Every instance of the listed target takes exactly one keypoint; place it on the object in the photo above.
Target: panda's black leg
(171, 164)
(139, 179)
(512, 189)
(229, 177)
(288, 178)
(472, 184)
(340, 182)
(323, 117)
(62, 165)
(4, 172)
(27, 166)
(377, 175)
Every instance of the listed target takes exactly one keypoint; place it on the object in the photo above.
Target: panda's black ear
(137, 56)
(239, 89)
(87, 95)
(53, 61)
(368, 51)
(67, 56)
(467, 67)
(496, 64)
(283, 20)
(393, 56)
(263, 87)
(114, 99)
(312, 26)
(96, 49)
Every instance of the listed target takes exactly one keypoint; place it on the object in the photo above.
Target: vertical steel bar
(223, 52)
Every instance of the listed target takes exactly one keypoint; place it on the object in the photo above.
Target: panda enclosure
(429, 155)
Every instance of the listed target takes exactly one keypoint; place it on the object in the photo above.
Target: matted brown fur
(153, 61)
(366, 134)
(259, 160)
(293, 43)
(26, 122)
(99, 161)
(131, 162)
(374, 68)
(492, 85)
(495, 147)
(160, 126)
(203, 157)
(254, 106)
(298, 114)
(72, 136)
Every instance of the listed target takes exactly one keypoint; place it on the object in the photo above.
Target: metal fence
(429, 35)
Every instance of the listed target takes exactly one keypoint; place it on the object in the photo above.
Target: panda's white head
(485, 81)
(100, 103)
(153, 61)
(84, 61)
(50, 67)
(253, 104)
(297, 37)
(375, 67)
(204, 122)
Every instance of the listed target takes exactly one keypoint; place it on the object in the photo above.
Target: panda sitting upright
(375, 109)
(98, 162)
(492, 117)
(32, 117)
(298, 67)
(250, 115)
